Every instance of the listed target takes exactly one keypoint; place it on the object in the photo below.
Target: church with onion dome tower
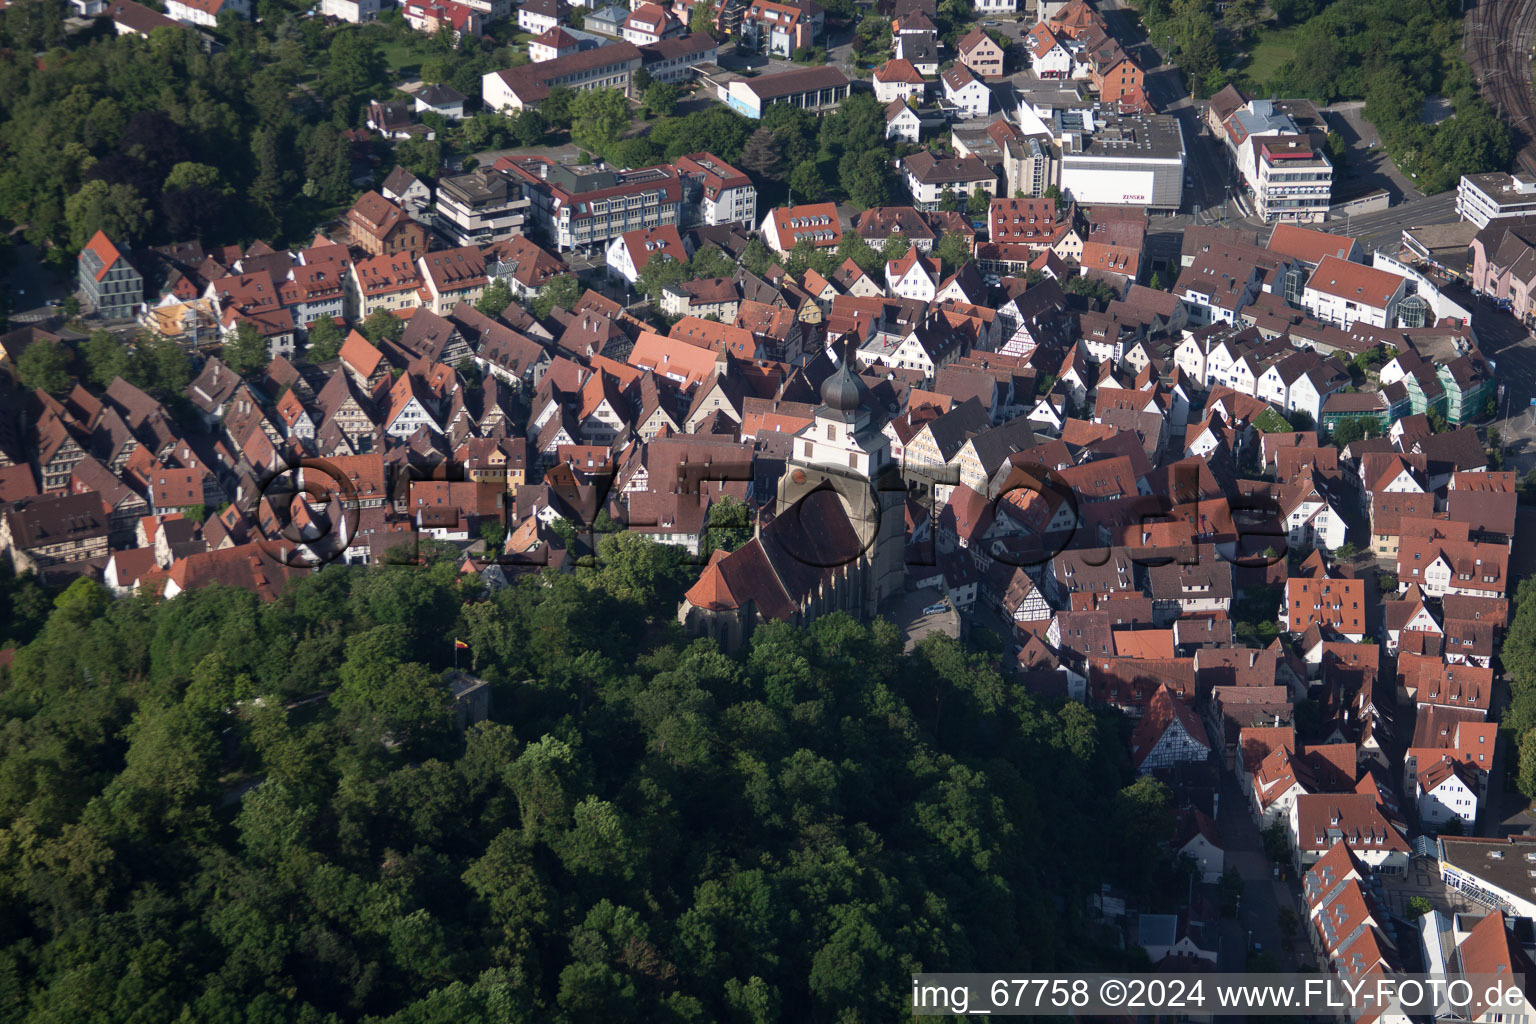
(836, 541)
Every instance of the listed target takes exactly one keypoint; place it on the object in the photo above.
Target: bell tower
(844, 449)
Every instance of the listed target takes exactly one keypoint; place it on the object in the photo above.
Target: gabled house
(113, 288)
(1168, 734)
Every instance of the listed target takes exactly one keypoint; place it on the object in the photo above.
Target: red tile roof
(103, 249)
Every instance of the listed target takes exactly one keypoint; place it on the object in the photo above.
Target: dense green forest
(157, 141)
(214, 809)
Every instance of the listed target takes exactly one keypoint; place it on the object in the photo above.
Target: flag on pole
(460, 645)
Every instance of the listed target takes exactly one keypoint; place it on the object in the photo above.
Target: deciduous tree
(496, 298)
(44, 365)
(246, 352)
(325, 340)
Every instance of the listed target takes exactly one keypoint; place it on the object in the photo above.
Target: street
(1263, 896)
(1384, 230)
(31, 285)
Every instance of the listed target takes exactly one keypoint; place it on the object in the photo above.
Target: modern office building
(1481, 198)
(481, 207)
(1293, 181)
(587, 205)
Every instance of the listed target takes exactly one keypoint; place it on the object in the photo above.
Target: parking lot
(912, 615)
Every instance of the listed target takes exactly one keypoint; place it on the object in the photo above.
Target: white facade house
(356, 12)
(628, 254)
(205, 12)
(1312, 522)
(902, 122)
(966, 91)
(539, 16)
(555, 42)
(1344, 293)
(928, 177)
(898, 80)
(912, 277)
(409, 418)
(1049, 57)
(1203, 846)
(727, 196)
(1446, 791)
(1214, 289)
(650, 23)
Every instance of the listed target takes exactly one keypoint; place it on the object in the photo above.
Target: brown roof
(1163, 710)
(972, 39)
(1336, 603)
(360, 354)
(1326, 818)
(243, 566)
(56, 520)
(375, 214)
(531, 81)
(1308, 244)
(898, 70)
(787, 83)
(138, 17)
(932, 170)
(455, 269)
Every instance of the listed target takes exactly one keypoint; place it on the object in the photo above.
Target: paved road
(1368, 165)
(1384, 230)
(30, 285)
(1263, 896)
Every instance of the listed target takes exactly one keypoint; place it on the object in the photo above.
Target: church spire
(843, 392)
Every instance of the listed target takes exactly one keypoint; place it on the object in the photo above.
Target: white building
(902, 122)
(539, 16)
(725, 195)
(552, 43)
(1293, 181)
(898, 80)
(628, 254)
(1343, 293)
(205, 12)
(1129, 160)
(481, 207)
(966, 91)
(1481, 198)
(914, 276)
(928, 177)
(1446, 791)
(355, 11)
(650, 23)
(1048, 55)
(1214, 288)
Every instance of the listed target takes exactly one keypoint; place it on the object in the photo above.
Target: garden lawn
(1274, 48)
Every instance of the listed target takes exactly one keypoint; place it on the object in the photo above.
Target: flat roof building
(1481, 198)
(1130, 160)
